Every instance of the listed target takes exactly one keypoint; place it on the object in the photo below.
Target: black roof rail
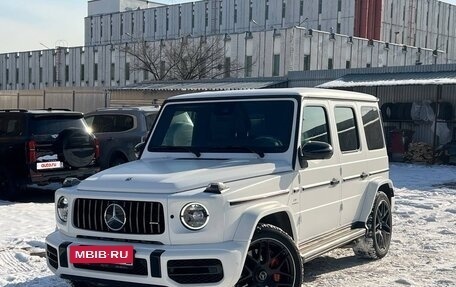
(56, 109)
(14, 110)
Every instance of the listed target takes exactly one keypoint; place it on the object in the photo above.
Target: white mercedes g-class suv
(236, 188)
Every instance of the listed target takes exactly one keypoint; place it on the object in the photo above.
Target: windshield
(242, 126)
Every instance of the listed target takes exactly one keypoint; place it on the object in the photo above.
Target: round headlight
(62, 208)
(194, 216)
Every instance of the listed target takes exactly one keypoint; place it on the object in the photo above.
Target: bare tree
(184, 59)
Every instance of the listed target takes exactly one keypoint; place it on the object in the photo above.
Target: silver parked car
(119, 130)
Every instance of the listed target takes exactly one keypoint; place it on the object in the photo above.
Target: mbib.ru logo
(120, 254)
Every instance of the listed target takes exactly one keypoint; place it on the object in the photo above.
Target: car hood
(177, 175)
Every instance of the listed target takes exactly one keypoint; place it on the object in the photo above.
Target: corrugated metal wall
(82, 100)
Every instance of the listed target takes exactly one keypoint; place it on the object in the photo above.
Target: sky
(28, 25)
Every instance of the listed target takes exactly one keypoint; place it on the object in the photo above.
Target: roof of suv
(123, 109)
(302, 92)
(41, 112)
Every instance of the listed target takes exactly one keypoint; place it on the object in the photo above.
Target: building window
(251, 10)
(155, 21)
(266, 10)
(235, 12)
(95, 72)
(193, 15)
(180, 17)
(101, 27)
(162, 68)
(7, 75)
(347, 130)
(144, 22)
(127, 71)
(338, 28)
(40, 75)
(320, 6)
(121, 24)
(145, 75)
(221, 13)
(82, 72)
(301, 7)
(348, 64)
(330, 64)
(248, 66)
(368, 65)
(30, 74)
(306, 62)
(206, 14)
(110, 25)
(284, 9)
(276, 65)
(339, 5)
(67, 73)
(132, 24)
(391, 10)
(91, 28)
(167, 19)
(113, 71)
(227, 67)
(54, 74)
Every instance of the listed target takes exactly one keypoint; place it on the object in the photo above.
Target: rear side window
(110, 123)
(347, 130)
(314, 125)
(150, 119)
(55, 124)
(372, 128)
(11, 126)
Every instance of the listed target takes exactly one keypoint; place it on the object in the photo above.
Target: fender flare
(252, 216)
(371, 191)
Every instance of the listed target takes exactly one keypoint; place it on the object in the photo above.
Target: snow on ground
(423, 250)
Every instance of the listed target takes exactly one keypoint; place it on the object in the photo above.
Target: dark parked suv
(39, 147)
(119, 130)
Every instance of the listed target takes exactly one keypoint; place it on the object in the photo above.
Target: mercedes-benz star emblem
(115, 217)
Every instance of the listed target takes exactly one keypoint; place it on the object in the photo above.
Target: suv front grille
(140, 217)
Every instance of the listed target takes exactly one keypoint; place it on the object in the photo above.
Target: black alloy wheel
(272, 260)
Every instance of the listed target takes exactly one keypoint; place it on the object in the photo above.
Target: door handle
(334, 181)
(364, 175)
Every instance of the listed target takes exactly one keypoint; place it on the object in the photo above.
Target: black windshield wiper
(247, 148)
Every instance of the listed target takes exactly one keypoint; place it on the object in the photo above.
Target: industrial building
(269, 37)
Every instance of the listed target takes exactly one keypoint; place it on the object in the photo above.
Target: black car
(40, 147)
(119, 130)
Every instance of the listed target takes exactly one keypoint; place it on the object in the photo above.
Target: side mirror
(139, 149)
(314, 150)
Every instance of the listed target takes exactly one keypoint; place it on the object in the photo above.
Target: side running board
(317, 247)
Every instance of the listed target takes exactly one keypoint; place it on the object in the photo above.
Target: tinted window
(346, 129)
(225, 126)
(54, 125)
(372, 128)
(110, 123)
(314, 125)
(11, 126)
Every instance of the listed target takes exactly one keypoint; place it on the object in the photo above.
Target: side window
(315, 125)
(110, 123)
(347, 130)
(372, 128)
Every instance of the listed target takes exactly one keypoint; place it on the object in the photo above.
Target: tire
(75, 147)
(9, 187)
(272, 253)
(376, 243)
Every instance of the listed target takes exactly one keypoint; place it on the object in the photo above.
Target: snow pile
(422, 253)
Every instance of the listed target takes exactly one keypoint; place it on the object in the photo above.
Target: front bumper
(158, 265)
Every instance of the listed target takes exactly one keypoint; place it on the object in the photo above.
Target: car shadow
(328, 264)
